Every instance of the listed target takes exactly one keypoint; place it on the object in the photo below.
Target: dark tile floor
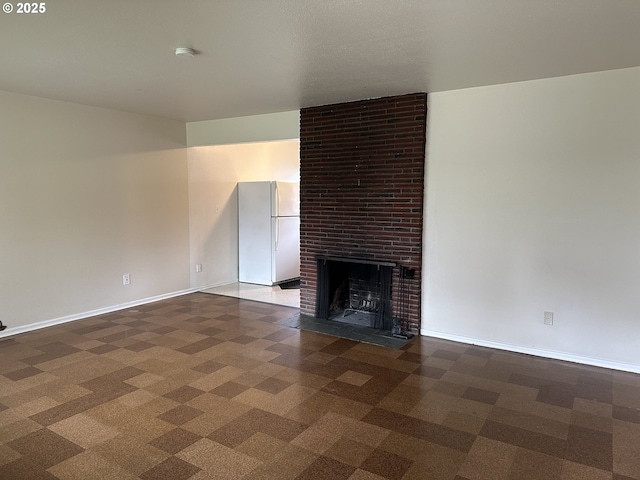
(206, 387)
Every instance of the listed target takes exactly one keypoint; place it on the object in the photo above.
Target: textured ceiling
(262, 56)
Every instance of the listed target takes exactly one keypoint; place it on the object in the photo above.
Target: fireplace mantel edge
(356, 260)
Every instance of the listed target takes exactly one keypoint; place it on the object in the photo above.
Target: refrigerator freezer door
(285, 198)
(286, 248)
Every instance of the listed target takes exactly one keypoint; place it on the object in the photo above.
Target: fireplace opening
(354, 291)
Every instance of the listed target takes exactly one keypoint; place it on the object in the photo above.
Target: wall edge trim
(595, 362)
(12, 331)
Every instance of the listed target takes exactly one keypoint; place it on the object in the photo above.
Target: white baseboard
(11, 331)
(596, 362)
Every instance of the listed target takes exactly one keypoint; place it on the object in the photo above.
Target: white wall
(533, 194)
(86, 195)
(253, 128)
(214, 172)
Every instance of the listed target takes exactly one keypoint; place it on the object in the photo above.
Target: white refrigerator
(268, 232)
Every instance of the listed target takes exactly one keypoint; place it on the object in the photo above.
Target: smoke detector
(185, 52)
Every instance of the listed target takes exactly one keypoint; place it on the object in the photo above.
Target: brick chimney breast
(362, 170)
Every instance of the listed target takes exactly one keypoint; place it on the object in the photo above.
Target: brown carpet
(210, 387)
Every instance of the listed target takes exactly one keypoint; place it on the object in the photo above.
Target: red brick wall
(362, 187)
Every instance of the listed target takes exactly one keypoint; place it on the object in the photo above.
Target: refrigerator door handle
(277, 200)
(277, 232)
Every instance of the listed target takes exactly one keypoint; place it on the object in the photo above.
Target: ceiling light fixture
(186, 52)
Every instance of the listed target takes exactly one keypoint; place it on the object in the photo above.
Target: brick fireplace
(362, 167)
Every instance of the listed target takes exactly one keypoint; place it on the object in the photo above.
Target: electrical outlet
(548, 318)
(126, 279)
(198, 267)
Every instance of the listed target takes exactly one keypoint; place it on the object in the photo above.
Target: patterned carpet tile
(204, 386)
